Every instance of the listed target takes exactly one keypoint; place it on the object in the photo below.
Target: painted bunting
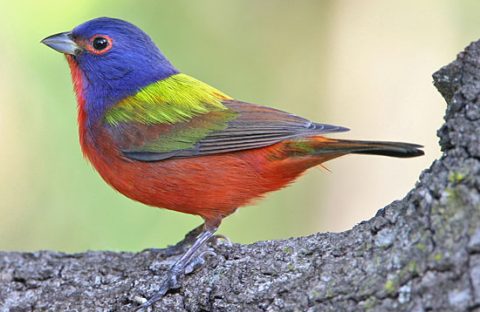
(168, 140)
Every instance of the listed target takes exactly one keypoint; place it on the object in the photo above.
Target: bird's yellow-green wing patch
(175, 99)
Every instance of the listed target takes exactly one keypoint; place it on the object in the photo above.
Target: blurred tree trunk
(420, 253)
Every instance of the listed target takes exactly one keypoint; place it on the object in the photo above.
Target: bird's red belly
(209, 186)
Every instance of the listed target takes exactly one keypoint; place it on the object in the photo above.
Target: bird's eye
(100, 43)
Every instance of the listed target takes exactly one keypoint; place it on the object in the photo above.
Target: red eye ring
(104, 44)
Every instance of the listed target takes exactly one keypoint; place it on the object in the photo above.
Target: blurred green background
(366, 65)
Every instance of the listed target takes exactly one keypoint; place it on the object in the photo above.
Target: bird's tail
(323, 146)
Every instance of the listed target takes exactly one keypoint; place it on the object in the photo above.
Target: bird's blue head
(115, 59)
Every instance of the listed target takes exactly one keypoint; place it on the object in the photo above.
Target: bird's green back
(168, 101)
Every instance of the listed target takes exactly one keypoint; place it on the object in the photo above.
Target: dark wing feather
(253, 126)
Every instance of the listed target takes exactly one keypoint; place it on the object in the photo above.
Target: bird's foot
(197, 262)
(175, 275)
(172, 281)
(187, 263)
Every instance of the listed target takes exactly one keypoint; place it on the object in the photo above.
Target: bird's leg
(186, 242)
(178, 269)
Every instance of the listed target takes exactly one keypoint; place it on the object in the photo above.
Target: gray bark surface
(421, 253)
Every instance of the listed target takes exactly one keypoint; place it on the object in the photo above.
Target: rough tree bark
(417, 254)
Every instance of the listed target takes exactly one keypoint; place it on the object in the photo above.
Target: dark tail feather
(392, 149)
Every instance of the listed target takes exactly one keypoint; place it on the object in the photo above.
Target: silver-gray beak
(63, 43)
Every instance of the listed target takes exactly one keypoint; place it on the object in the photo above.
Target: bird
(168, 140)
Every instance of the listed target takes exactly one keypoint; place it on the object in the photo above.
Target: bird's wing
(242, 126)
(155, 128)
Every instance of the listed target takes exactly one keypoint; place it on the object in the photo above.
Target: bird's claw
(217, 238)
(198, 261)
(171, 282)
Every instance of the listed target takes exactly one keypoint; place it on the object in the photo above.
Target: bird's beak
(63, 43)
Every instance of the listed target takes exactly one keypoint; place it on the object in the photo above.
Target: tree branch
(420, 253)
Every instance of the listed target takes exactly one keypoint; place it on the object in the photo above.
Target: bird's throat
(77, 79)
